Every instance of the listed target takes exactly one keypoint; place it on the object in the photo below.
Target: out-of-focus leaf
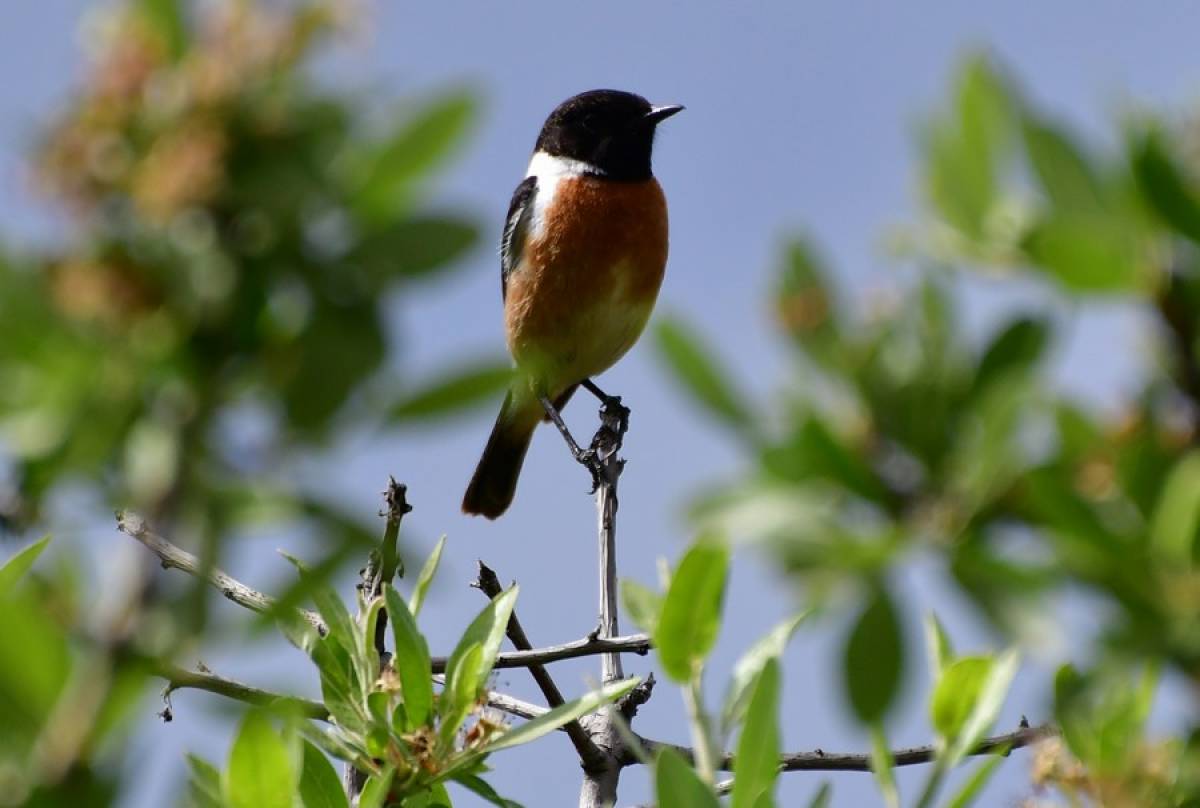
(166, 17)
(806, 306)
(419, 144)
(986, 706)
(204, 784)
(823, 797)
(1164, 187)
(35, 664)
(555, 718)
(813, 450)
(750, 664)
(757, 761)
(882, 767)
(410, 659)
(1087, 253)
(1177, 516)
(1017, 347)
(699, 374)
(956, 693)
(691, 612)
(676, 784)
(414, 247)
(963, 152)
(421, 588)
(874, 659)
(1063, 170)
(320, 786)
(937, 645)
(20, 562)
(969, 791)
(260, 773)
(341, 346)
(453, 392)
(642, 604)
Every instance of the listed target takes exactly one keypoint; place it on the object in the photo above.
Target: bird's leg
(586, 457)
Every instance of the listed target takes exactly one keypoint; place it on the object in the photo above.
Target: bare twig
(638, 644)
(820, 760)
(174, 557)
(384, 563)
(178, 678)
(488, 583)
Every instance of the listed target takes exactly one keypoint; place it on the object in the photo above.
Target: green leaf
(260, 773)
(676, 784)
(747, 669)
(874, 659)
(1164, 186)
(823, 796)
(15, 568)
(418, 145)
(1062, 168)
(938, 648)
(204, 784)
(486, 631)
(375, 792)
(421, 589)
(320, 786)
(985, 709)
(964, 151)
(956, 693)
(691, 612)
(1087, 253)
(410, 660)
(970, 789)
(642, 604)
(882, 767)
(698, 373)
(555, 718)
(1018, 346)
(482, 788)
(462, 688)
(757, 761)
(166, 17)
(415, 247)
(1176, 517)
(453, 392)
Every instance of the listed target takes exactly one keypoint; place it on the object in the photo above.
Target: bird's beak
(657, 115)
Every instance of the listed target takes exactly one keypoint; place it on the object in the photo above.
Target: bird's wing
(516, 227)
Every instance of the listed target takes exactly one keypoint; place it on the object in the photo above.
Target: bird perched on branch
(581, 261)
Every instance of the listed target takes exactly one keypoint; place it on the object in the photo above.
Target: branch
(639, 644)
(589, 754)
(173, 557)
(182, 679)
(820, 760)
(178, 678)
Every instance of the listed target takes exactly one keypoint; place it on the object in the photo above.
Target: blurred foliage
(899, 435)
(234, 230)
(209, 308)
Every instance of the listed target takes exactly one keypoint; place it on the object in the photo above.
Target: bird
(582, 257)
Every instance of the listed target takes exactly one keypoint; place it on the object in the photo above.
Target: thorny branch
(488, 583)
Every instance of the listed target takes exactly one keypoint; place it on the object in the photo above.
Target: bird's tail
(491, 490)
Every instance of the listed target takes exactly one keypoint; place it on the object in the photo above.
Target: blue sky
(802, 117)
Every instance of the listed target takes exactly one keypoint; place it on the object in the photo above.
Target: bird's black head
(611, 131)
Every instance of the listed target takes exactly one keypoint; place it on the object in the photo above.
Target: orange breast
(587, 281)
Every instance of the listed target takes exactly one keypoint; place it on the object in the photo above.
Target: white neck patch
(550, 170)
